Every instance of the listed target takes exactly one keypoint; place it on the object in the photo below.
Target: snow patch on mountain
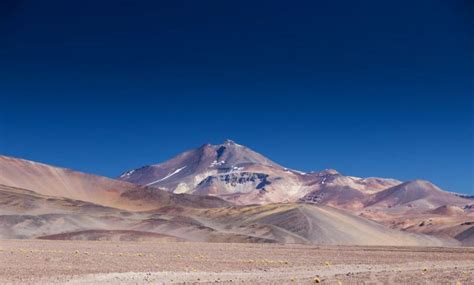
(235, 168)
(167, 176)
(217, 163)
(128, 173)
(181, 188)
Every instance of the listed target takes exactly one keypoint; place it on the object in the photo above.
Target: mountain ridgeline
(242, 176)
(228, 193)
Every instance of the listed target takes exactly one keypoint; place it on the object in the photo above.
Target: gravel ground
(105, 262)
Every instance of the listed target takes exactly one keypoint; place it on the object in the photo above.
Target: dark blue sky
(375, 88)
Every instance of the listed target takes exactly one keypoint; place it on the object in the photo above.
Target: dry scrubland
(110, 262)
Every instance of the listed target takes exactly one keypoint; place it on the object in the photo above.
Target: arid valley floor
(113, 262)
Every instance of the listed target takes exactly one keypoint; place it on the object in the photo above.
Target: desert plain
(169, 262)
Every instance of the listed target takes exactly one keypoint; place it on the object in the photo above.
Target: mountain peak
(229, 141)
(329, 171)
(189, 168)
(419, 183)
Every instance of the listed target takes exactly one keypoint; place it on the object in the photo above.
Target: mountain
(229, 170)
(421, 207)
(47, 202)
(417, 195)
(242, 176)
(65, 183)
(184, 172)
(228, 193)
(26, 214)
(330, 187)
(54, 181)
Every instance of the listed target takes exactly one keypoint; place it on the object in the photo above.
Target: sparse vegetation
(269, 262)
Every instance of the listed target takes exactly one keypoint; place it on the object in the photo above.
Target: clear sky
(370, 88)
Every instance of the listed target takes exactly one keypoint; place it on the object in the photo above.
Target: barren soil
(119, 262)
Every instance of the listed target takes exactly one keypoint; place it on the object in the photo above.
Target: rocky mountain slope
(242, 176)
(228, 193)
(26, 214)
(54, 181)
(237, 174)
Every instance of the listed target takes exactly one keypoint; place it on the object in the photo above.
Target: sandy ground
(105, 262)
